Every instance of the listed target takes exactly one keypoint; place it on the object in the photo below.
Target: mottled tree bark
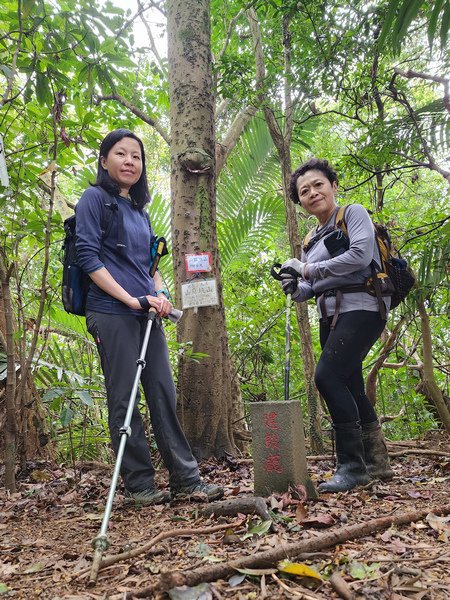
(11, 438)
(205, 390)
(431, 388)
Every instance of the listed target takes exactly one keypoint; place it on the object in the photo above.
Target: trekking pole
(287, 350)
(274, 271)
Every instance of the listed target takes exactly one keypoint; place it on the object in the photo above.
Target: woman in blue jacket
(334, 269)
(121, 293)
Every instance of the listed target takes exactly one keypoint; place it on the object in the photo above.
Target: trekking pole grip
(275, 271)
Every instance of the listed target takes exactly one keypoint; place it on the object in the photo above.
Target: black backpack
(75, 282)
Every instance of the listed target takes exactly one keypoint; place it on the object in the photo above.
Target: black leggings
(338, 374)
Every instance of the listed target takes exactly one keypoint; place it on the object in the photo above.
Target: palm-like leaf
(250, 210)
(401, 13)
(159, 212)
(434, 260)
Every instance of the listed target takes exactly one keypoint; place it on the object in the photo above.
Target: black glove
(288, 283)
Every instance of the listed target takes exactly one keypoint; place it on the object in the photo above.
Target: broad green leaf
(6, 70)
(407, 12)
(66, 416)
(43, 92)
(85, 397)
(259, 529)
(54, 393)
(360, 570)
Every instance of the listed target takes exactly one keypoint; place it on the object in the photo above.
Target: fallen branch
(111, 560)
(422, 452)
(396, 454)
(212, 572)
(248, 505)
(340, 586)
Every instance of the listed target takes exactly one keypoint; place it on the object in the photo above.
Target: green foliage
(400, 15)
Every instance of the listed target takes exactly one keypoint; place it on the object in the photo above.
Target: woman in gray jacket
(334, 268)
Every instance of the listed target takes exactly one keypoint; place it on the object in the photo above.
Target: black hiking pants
(119, 340)
(338, 375)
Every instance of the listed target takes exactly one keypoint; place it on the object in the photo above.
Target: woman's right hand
(161, 304)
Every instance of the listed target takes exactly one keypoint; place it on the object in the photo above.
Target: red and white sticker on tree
(199, 262)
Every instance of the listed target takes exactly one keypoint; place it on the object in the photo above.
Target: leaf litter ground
(48, 526)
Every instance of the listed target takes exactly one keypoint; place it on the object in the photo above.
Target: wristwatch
(165, 292)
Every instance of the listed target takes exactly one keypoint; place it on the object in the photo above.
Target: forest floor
(47, 528)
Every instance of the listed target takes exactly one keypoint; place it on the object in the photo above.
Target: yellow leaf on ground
(298, 569)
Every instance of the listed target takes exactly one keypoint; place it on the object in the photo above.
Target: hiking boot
(351, 469)
(147, 497)
(200, 491)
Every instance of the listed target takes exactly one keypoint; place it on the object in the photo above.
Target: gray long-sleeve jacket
(350, 268)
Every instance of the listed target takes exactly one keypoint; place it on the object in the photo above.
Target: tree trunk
(431, 388)
(371, 383)
(22, 417)
(205, 391)
(10, 450)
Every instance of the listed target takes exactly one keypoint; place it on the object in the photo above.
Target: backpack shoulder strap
(340, 219)
(339, 223)
(307, 239)
(109, 206)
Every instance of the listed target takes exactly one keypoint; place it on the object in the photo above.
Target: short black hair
(139, 192)
(320, 164)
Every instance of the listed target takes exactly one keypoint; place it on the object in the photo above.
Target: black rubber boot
(351, 469)
(375, 452)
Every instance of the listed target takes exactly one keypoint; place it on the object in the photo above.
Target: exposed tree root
(271, 557)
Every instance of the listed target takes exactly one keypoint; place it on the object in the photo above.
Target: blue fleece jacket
(129, 266)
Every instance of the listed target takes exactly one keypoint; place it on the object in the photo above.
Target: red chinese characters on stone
(272, 463)
(270, 420)
(271, 440)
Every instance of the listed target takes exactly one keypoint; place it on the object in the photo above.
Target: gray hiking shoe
(200, 491)
(147, 497)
